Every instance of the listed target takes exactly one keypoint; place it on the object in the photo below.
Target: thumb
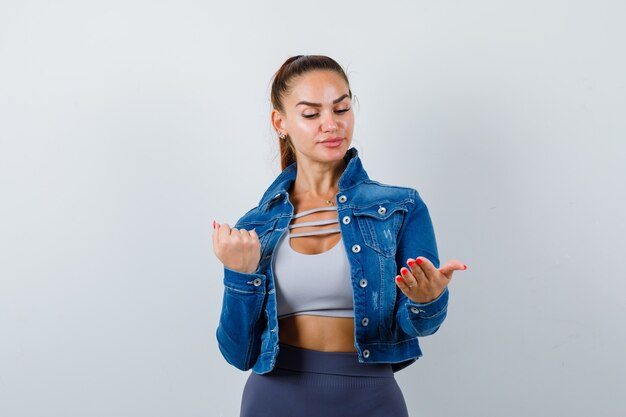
(452, 266)
(215, 236)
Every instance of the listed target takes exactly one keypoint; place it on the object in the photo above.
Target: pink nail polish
(419, 261)
(404, 271)
(464, 267)
(411, 262)
(398, 278)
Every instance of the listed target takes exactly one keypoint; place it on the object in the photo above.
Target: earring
(281, 135)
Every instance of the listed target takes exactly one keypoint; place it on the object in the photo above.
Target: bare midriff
(326, 334)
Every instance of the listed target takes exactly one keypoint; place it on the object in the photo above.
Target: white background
(126, 127)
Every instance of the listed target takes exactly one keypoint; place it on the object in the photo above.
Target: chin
(336, 154)
(327, 155)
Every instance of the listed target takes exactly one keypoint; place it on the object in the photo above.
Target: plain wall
(126, 127)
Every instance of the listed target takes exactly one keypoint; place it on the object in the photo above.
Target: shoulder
(372, 192)
(267, 211)
(250, 216)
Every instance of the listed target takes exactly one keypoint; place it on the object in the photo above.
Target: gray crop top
(319, 284)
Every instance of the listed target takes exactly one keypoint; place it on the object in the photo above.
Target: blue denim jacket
(382, 226)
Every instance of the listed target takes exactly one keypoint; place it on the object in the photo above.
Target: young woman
(332, 278)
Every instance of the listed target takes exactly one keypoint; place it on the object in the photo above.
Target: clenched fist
(237, 249)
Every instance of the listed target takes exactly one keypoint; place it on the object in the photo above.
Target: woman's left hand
(422, 282)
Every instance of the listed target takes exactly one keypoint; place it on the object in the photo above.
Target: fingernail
(404, 271)
(411, 262)
(464, 267)
(419, 261)
(398, 278)
(214, 224)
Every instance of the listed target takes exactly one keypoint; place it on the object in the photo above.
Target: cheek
(348, 123)
(304, 125)
(302, 133)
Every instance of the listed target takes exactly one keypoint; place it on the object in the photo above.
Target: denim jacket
(381, 226)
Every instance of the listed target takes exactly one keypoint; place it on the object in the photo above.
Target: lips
(332, 140)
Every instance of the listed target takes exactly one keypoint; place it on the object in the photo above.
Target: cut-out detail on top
(323, 222)
(313, 210)
(315, 233)
(314, 223)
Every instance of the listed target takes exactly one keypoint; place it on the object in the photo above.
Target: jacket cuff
(244, 282)
(428, 310)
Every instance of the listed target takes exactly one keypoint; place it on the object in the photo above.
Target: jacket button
(346, 220)
(366, 353)
(365, 321)
(257, 282)
(382, 210)
(363, 283)
(356, 249)
(343, 199)
(415, 310)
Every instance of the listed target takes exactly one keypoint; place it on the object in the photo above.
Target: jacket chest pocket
(379, 225)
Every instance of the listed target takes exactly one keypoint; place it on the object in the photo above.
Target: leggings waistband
(336, 363)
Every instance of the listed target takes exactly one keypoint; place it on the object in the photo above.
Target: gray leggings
(309, 383)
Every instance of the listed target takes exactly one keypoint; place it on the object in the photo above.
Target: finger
(452, 266)
(402, 285)
(249, 238)
(216, 226)
(427, 267)
(224, 232)
(407, 277)
(422, 268)
(417, 272)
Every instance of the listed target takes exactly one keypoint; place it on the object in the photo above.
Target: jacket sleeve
(241, 321)
(416, 237)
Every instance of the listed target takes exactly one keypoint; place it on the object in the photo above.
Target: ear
(278, 120)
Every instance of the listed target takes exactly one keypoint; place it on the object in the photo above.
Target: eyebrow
(335, 101)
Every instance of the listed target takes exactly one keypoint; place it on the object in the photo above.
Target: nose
(329, 123)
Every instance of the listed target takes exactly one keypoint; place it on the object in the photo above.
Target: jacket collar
(351, 176)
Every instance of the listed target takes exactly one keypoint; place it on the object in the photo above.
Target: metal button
(365, 321)
(343, 199)
(382, 210)
(366, 353)
(346, 220)
(363, 283)
(415, 310)
(356, 248)
(257, 282)
(277, 195)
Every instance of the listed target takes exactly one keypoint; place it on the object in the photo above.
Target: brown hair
(291, 68)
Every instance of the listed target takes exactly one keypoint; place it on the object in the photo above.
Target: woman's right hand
(237, 249)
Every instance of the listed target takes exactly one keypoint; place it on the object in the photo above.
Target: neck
(318, 180)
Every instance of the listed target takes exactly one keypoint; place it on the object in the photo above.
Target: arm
(418, 315)
(240, 326)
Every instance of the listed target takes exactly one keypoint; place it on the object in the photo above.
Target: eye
(309, 116)
(340, 111)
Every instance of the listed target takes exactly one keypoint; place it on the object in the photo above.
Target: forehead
(317, 86)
